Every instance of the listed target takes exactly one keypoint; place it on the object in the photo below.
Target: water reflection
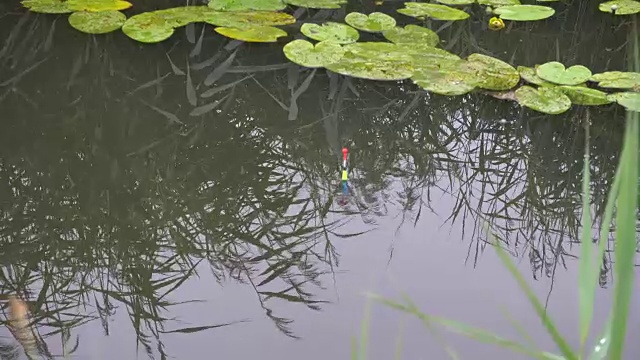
(128, 169)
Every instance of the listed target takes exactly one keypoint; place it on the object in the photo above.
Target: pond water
(138, 221)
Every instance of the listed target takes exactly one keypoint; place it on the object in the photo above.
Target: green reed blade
(586, 281)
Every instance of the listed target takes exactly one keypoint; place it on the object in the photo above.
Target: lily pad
(496, 3)
(428, 57)
(456, 2)
(618, 80)
(374, 22)
(248, 18)
(147, 28)
(97, 22)
(374, 60)
(305, 54)
(47, 6)
(333, 31)
(581, 95)
(446, 82)
(630, 100)
(494, 74)
(183, 15)
(524, 12)
(412, 34)
(98, 5)
(556, 73)
(256, 33)
(529, 75)
(247, 5)
(546, 100)
(435, 11)
(622, 7)
(317, 4)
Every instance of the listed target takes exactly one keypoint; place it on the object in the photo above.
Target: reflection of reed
(19, 325)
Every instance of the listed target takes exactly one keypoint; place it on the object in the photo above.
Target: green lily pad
(47, 6)
(147, 28)
(375, 61)
(545, 99)
(582, 95)
(446, 81)
(412, 34)
(623, 7)
(630, 100)
(317, 4)
(556, 73)
(183, 15)
(305, 54)
(428, 57)
(524, 12)
(255, 33)
(247, 5)
(97, 22)
(456, 2)
(374, 22)
(497, 3)
(435, 11)
(493, 74)
(98, 5)
(618, 80)
(529, 75)
(248, 18)
(333, 31)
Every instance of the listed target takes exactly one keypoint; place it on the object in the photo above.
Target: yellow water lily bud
(379, 2)
(496, 23)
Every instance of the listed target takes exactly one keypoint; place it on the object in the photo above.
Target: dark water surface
(130, 217)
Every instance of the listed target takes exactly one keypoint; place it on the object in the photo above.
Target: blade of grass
(601, 349)
(364, 331)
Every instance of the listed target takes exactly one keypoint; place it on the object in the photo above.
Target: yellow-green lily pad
(256, 33)
(456, 2)
(375, 61)
(434, 11)
(524, 12)
(529, 75)
(630, 100)
(618, 80)
(582, 95)
(248, 18)
(305, 54)
(547, 100)
(556, 73)
(101, 22)
(622, 7)
(332, 31)
(412, 34)
(374, 22)
(98, 5)
(494, 74)
(47, 6)
(147, 28)
(247, 5)
(449, 82)
(497, 3)
(428, 57)
(317, 4)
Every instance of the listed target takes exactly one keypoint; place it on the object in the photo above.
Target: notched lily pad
(618, 80)
(630, 100)
(493, 74)
(544, 99)
(374, 22)
(247, 18)
(622, 7)
(524, 12)
(582, 95)
(529, 75)
(428, 57)
(317, 4)
(435, 11)
(247, 5)
(147, 28)
(97, 22)
(556, 73)
(255, 33)
(449, 82)
(47, 6)
(375, 61)
(496, 3)
(456, 2)
(332, 31)
(305, 54)
(412, 34)
(98, 5)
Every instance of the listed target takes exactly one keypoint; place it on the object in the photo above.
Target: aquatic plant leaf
(556, 73)
(429, 57)
(544, 99)
(582, 95)
(630, 100)
(184, 15)
(446, 82)
(524, 12)
(375, 61)
(456, 2)
(496, 3)
(529, 75)
(305, 54)
(333, 31)
(98, 5)
(247, 5)
(618, 80)
(317, 4)
(412, 34)
(248, 18)
(147, 28)
(101, 22)
(493, 74)
(435, 11)
(252, 33)
(374, 22)
(622, 7)
(47, 6)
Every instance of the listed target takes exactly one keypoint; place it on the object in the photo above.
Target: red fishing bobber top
(344, 153)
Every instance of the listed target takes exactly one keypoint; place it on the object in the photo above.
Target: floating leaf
(98, 5)
(97, 22)
(544, 99)
(622, 7)
(630, 100)
(435, 11)
(248, 18)
(494, 74)
(374, 60)
(374, 22)
(618, 80)
(447, 82)
(524, 12)
(428, 57)
(581, 95)
(304, 53)
(147, 28)
(317, 4)
(497, 3)
(333, 31)
(530, 76)
(412, 34)
(252, 33)
(456, 2)
(183, 15)
(47, 6)
(246, 5)
(556, 73)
